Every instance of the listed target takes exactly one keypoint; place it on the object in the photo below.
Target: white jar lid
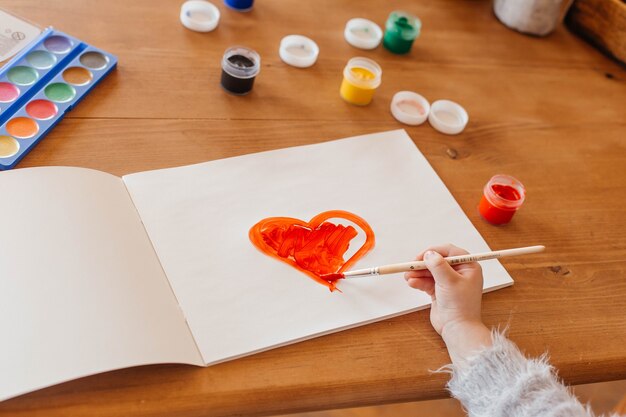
(363, 33)
(410, 108)
(448, 117)
(199, 15)
(298, 51)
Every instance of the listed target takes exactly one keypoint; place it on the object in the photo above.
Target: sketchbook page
(239, 301)
(81, 289)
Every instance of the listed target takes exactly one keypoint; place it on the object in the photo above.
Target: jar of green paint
(401, 30)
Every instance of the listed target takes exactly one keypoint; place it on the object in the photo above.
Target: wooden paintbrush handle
(402, 267)
(452, 260)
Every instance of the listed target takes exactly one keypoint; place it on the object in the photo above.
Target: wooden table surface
(549, 111)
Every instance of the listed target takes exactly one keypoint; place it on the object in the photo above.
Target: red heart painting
(316, 248)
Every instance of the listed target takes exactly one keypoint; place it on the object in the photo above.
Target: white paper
(81, 289)
(236, 299)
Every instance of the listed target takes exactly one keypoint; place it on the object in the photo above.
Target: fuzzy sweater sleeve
(500, 382)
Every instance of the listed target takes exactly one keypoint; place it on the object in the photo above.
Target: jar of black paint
(240, 66)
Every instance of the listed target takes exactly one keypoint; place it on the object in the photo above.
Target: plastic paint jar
(361, 78)
(239, 5)
(401, 30)
(240, 66)
(503, 195)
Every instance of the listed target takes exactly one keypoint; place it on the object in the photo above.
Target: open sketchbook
(100, 273)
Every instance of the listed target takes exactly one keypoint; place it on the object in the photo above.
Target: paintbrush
(419, 265)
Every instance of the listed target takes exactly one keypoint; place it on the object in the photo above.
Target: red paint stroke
(316, 248)
(333, 277)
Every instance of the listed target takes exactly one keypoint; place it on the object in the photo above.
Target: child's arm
(490, 376)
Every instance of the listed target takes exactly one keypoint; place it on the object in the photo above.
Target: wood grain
(603, 23)
(548, 111)
(604, 398)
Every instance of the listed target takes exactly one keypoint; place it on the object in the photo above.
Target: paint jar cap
(448, 117)
(363, 33)
(199, 15)
(404, 24)
(410, 108)
(298, 51)
(241, 62)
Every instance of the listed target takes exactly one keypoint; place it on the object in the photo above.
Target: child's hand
(456, 292)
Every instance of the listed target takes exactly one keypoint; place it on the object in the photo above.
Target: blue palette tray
(39, 85)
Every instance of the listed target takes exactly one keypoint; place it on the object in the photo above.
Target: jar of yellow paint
(361, 78)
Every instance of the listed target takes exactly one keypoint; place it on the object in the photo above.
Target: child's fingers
(439, 267)
(422, 273)
(420, 256)
(424, 284)
(460, 268)
(442, 272)
(444, 250)
(451, 250)
(470, 267)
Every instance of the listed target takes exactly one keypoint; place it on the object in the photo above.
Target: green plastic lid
(404, 24)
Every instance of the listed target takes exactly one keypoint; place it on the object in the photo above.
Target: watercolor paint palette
(40, 84)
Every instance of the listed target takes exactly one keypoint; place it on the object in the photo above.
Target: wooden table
(549, 111)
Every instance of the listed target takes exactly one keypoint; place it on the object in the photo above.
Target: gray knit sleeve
(500, 382)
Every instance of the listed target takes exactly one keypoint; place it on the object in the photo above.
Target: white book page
(81, 289)
(238, 300)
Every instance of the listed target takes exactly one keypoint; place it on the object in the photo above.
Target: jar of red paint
(502, 196)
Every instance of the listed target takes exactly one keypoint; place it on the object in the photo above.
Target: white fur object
(500, 382)
(537, 17)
